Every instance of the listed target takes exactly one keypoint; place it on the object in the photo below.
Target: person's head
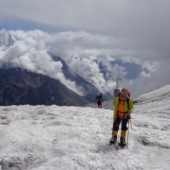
(124, 93)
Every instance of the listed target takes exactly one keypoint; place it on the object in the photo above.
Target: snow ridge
(162, 93)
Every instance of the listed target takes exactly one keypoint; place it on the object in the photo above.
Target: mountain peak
(6, 39)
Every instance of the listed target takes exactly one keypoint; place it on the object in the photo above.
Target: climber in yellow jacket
(123, 107)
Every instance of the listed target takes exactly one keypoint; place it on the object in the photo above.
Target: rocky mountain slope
(18, 86)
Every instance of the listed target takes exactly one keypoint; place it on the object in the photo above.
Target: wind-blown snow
(70, 138)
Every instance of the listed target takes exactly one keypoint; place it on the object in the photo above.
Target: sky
(53, 137)
(97, 32)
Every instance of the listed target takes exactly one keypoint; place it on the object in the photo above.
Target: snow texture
(77, 138)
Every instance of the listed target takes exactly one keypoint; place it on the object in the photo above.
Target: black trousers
(119, 121)
(99, 103)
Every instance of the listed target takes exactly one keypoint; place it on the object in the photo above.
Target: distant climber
(123, 107)
(99, 100)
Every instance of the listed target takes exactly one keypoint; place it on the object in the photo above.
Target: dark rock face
(18, 86)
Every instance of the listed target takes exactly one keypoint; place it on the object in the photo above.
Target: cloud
(94, 57)
(97, 33)
(154, 75)
(136, 20)
(147, 82)
(140, 25)
(30, 52)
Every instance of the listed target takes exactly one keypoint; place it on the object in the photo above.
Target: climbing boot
(123, 138)
(114, 137)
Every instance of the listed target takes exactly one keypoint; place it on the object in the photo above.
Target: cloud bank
(92, 56)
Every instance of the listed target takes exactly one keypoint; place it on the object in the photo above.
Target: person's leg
(123, 132)
(116, 124)
(99, 104)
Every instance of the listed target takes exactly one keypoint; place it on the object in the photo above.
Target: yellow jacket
(126, 105)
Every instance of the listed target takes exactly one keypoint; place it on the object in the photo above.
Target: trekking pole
(128, 135)
(131, 123)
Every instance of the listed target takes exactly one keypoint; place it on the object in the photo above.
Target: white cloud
(151, 66)
(137, 24)
(150, 80)
(30, 52)
(137, 31)
(86, 54)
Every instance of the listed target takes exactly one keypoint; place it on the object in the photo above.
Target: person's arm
(116, 100)
(131, 107)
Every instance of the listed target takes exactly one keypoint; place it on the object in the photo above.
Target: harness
(121, 106)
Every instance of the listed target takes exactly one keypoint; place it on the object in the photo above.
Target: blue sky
(27, 25)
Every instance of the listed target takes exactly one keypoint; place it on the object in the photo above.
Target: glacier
(77, 138)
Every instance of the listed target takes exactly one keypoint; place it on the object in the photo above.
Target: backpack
(122, 114)
(99, 97)
(127, 99)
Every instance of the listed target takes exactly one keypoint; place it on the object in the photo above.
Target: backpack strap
(128, 100)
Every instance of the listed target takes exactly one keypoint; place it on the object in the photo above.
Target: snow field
(77, 138)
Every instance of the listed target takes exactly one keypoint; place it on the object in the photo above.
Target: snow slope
(75, 138)
(162, 93)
